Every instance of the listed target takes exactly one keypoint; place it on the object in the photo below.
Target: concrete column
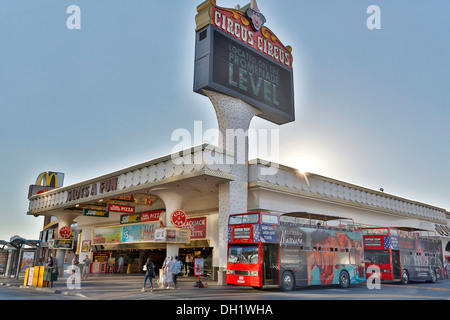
(234, 117)
(64, 219)
(174, 199)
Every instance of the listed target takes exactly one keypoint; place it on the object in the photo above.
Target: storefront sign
(65, 232)
(46, 181)
(151, 215)
(141, 217)
(197, 227)
(178, 218)
(95, 213)
(119, 208)
(239, 57)
(130, 218)
(94, 189)
(172, 235)
(64, 244)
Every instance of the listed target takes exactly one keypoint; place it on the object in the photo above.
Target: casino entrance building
(179, 204)
(157, 188)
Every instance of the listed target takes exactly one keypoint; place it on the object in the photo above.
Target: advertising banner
(107, 235)
(198, 266)
(139, 232)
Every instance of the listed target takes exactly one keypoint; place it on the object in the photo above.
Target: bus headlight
(254, 273)
(230, 271)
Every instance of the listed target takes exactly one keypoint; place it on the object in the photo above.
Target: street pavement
(128, 287)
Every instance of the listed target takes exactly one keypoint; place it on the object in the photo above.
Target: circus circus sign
(248, 27)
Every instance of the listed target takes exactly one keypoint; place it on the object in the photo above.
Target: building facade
(119, 214)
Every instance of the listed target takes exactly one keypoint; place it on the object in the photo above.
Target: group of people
(171, 268)
(86, 267)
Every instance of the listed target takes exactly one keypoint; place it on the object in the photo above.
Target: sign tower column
(233, 115)
(245, 70)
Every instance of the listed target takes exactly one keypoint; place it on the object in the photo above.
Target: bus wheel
(433, 277)
(287, 281)
(344, 279)
(405, 276)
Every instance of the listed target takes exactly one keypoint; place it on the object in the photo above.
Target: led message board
(252, 65)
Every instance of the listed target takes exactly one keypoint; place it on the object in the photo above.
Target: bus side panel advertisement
(321, 254)
(420, 256)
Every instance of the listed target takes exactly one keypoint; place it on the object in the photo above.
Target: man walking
(86, 267)
(177, 267)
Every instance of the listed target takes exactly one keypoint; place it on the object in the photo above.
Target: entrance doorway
(270, 257)
(396, 264)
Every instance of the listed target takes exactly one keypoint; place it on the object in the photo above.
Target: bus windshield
(244, 218)
(243, 254)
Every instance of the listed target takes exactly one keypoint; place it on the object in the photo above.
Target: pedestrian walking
(74, 263)
(120, 265)
(170, 264)
(50, 262)
(149, 269)
(177, 267)
(86, 268)
(162, 274)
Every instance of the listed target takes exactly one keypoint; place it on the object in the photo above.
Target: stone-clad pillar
(65, 219)
(234, 117)
(174, 199)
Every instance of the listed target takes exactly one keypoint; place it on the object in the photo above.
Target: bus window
(244, 218)
(377, 256)
(269, 219)
(243, 254)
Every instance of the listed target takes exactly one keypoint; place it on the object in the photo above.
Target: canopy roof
(314, 216)
(18, 242)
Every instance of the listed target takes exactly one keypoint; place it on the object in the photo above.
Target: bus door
(396, 264)
(270, 264)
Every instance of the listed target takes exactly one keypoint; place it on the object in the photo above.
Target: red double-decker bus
(400, 254)
(293, 249)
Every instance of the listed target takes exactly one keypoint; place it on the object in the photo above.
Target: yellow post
(41, 282)
(27, 273)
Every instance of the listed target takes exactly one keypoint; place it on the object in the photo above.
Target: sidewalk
(118, 286)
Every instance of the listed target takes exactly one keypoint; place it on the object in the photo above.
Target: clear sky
(372, 106)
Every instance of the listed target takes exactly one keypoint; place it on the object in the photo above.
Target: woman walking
(149, 269)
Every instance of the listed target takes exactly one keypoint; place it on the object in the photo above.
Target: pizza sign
(178, 218)
(65, 232)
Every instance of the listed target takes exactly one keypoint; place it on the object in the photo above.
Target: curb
(47, 290)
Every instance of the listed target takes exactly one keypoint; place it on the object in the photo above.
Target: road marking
(415, 287)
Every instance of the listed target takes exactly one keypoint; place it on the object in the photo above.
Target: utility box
(50, 275)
